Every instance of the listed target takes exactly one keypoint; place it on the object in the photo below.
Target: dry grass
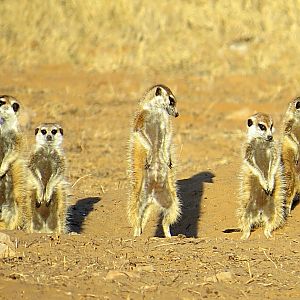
(200, 37)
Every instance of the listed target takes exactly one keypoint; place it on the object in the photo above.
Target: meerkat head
(49, 134)
(9, 109)
(294, 109)
(260, 125)
(160, 96)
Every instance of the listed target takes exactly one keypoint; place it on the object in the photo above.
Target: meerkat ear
(250, 122)
(61, 131)
(158, 92)
(297, 105)
(36, 131)
(16, 106)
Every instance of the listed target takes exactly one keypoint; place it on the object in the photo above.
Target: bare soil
(100, 259)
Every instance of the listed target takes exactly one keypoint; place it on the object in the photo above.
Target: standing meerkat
(290, 147)
(48, 205)
(262, 183)
(13, 188)
(151, 161)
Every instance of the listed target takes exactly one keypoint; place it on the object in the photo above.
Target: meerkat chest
(263, 154)
(296, 131)
(158, 127)
(46, 164)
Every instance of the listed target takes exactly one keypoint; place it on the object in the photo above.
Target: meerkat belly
(159, 153)
(45, 168)
(262, 158)
(259, 198)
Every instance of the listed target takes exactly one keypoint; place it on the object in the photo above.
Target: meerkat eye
(262, 127)
(297, 104)
(54, 131)
(2, 102)
(172, 101)
(271, 127)
(44, 131)
(158, 92)
(16, 106)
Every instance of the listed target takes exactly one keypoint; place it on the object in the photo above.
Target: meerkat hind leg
(138, 207)
(246, 226)
(169, 202)
(144, 211)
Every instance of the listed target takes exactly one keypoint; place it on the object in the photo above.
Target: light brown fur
(151, 162)
(290, 152)
(47, 207)
(261, 200)
(13, 175)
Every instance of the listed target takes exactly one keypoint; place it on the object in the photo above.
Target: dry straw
(200, 37)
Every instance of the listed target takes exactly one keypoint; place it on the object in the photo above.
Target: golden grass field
(209, 38)
(85, 64)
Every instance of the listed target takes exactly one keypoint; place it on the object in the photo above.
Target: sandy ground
(100, 259)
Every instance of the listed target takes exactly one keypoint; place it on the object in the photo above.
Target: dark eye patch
(61, 131)
(158, 92)
(271, 126)
(44, 131)
(297, 104)
(262, 127)
(172, 101)
(36, 131)
(2, 102)
(54, 131)
(16, 106)
(250, 122)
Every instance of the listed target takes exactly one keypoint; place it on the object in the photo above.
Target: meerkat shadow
(190, 193)
(296, 202)
(78, 212)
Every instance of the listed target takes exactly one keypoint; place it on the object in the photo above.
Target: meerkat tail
(60, 198)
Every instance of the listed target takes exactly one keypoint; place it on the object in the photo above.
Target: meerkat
(290, 147)
(48, 204)
(262, 182)
(151, 161)
(13, 188)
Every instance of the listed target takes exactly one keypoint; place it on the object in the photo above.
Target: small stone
(113, 275)
(148, 268)
(220, 277)
(224, 276)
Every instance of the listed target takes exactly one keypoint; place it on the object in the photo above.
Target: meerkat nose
(176, 114)
(269, 138)
(49, 138)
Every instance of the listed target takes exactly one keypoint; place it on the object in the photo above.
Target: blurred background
(197, 37)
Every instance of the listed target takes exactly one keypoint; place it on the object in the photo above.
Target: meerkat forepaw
(47, 198)
(148, 162)
(147, 165)
(2, 172)
(245, 235)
